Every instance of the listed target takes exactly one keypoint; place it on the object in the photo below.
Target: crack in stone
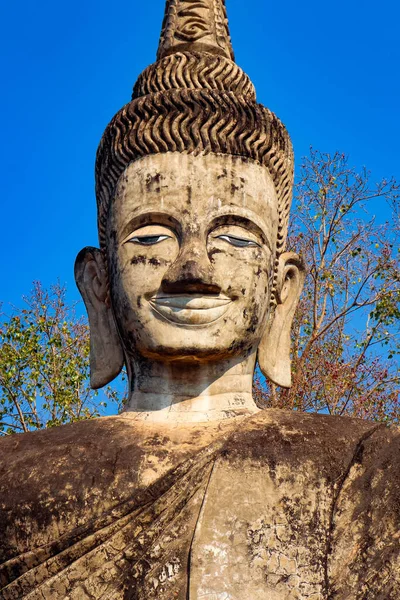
(195, 529)
(343, 479)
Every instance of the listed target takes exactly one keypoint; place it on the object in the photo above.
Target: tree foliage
(346, 332)
(44, 365)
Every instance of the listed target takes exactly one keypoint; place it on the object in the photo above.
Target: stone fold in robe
(279, 505)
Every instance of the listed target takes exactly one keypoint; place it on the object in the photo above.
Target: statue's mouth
(193, 309)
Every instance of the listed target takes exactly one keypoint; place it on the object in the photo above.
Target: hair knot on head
(195, 99)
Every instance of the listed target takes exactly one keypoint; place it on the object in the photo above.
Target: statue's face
(191, 248)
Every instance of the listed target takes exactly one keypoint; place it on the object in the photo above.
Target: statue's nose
(191, 273)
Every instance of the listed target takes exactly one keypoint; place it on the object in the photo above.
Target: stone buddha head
(194, 183)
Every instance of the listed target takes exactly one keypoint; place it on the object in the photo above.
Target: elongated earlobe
(106, 353)
(274, 349)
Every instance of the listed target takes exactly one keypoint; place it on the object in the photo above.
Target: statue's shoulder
(328, 443)
(63, 445)
(52, 481)
(80, 455)
(62, 461)
(317, 427)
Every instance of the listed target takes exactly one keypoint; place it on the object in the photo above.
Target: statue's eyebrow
(150, 218)
(245, 222)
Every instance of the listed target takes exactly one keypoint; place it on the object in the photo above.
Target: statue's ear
(274, 349)
(106, 354)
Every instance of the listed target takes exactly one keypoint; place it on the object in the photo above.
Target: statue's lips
(193, 309)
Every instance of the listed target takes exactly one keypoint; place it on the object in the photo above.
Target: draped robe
(277, 506)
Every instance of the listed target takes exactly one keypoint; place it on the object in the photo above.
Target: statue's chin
(191, 310)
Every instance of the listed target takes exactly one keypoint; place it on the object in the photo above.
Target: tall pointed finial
(195, 25)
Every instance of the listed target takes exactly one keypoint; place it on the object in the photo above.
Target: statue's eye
(238, 242)
(148, 240)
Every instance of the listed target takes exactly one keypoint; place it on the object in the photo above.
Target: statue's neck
(192, 392)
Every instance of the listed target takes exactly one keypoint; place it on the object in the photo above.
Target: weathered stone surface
(196, 25)
(278, 505)
(193, 493)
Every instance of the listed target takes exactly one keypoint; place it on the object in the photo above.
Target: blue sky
(330, 70)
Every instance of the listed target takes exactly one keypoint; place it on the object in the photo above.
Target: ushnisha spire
(195, 52)
(195, 25)
(195, 99)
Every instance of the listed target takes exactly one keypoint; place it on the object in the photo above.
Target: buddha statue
(193, 493)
